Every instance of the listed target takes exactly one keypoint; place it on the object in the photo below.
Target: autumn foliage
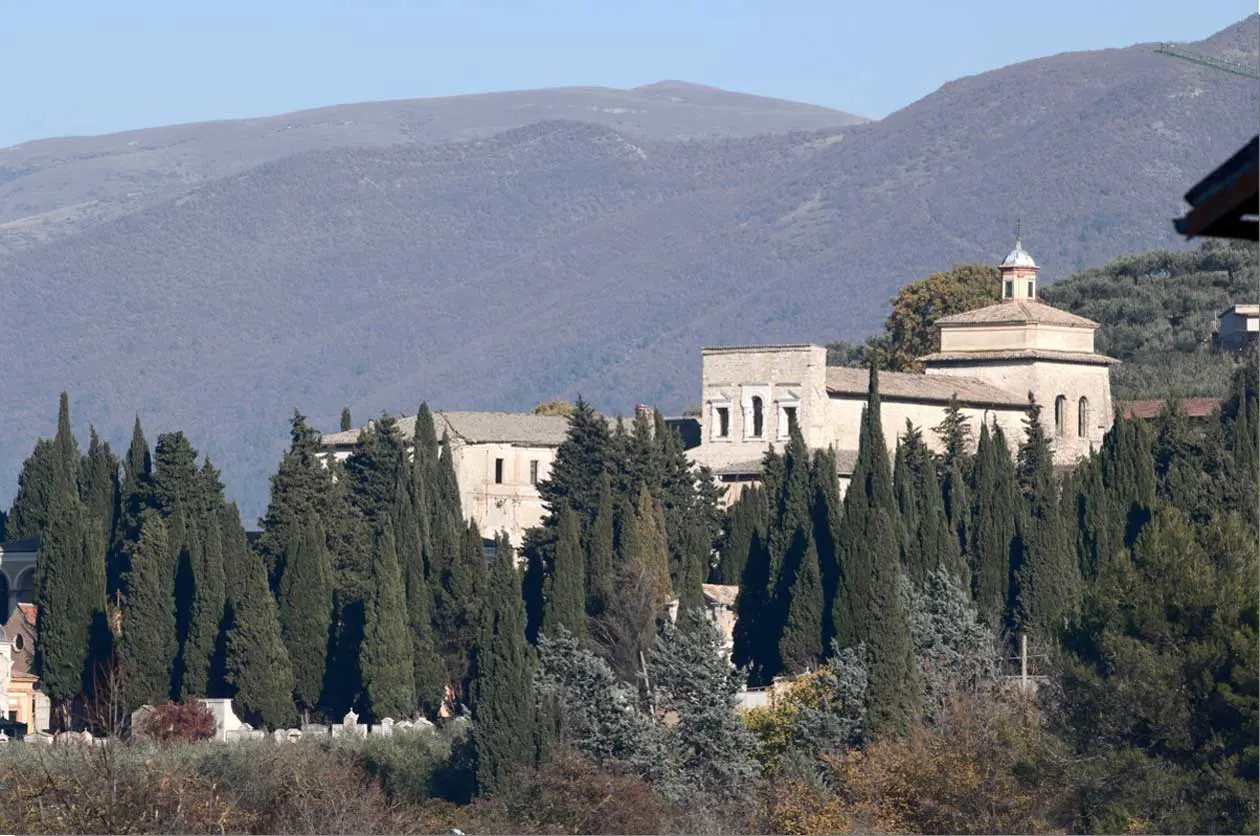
(172, 721)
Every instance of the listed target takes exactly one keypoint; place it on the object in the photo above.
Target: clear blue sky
(88, 67)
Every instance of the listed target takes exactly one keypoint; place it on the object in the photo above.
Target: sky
(75, 67)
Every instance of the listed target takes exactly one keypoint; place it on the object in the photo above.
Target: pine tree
(148, 644)
(566, 584)
(37, 484)
(385, 658)
(503, 701)
(581, 459)
(299, 491)
(205, 618)
(70, 597)
(347, 420)
(305, 612)
(257, 668)
(800, 644)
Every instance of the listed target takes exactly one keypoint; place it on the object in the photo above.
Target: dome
(1019, 257)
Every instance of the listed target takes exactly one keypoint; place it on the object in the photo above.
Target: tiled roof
(1190, 407)
(478, 428)
(29, 612)
(1018, 311)
(722, 594)
(1088, 358)
(931, 388)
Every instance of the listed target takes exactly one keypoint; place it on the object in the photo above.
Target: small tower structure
(1023, 345)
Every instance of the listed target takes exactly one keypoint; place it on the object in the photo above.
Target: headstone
(386, 727)
(294, 735)
(279, 736)
(314, 730)
(351, 719)
(337, 730)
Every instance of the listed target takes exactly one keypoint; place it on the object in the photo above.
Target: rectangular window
(1030, 290)
(1009, 290)
(533, 471)
(723, 428)
(789, 412)
(498, 471)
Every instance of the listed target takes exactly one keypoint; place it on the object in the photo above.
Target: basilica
(992, 360)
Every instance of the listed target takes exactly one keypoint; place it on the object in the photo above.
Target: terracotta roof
(1018, 311)
(1088, 358)
(931, 388)
(1190, 407)
(478, 428)
(721, 593)
(29, 612)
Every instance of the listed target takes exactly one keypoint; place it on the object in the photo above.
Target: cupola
(1019, 275)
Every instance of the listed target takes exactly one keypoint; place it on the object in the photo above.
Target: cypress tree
(871, 568)
(257, 667)
(750, 650)
(205, 616)
(305, 612)
(827, 515)
(134, 497)
(175, 478)
(696, 543)
(377, 468)
(385, 657)
(1048, 577)
(66, 450)
(566, 585)
(413, 537)
(100, 485)
(70, 597)
(954, 431)
(600, 571)
(148, 644)
(800, 644)
(503, 701)
(957, 500)
(347, 420)
(994, 545)
(746, 519)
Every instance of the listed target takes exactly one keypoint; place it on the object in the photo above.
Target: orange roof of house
(1190, 407)
(29, 611)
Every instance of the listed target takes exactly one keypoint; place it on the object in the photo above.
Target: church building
(991, 359)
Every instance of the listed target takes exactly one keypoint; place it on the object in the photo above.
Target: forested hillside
(216, 276)
(1156, 313)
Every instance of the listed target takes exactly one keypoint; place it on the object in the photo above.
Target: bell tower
(1019, 275)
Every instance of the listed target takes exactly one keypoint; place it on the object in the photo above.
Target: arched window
(1082, 418)
(1060, 416)
(758, 416)
(24, 590)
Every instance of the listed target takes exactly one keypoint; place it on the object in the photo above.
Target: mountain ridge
(565, 256)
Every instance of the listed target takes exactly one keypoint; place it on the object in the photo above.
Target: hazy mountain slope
(54, 187)
(565, 257)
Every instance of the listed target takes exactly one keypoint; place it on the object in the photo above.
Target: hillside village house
(991, 359)
(499, 459)
(1237, 328)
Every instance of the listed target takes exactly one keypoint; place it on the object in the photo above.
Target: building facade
(1237, 328)
(992, 360)
(499, 459)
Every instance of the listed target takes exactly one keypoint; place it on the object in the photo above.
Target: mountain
(481, 254)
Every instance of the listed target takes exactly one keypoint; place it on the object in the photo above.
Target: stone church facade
(991, 359)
